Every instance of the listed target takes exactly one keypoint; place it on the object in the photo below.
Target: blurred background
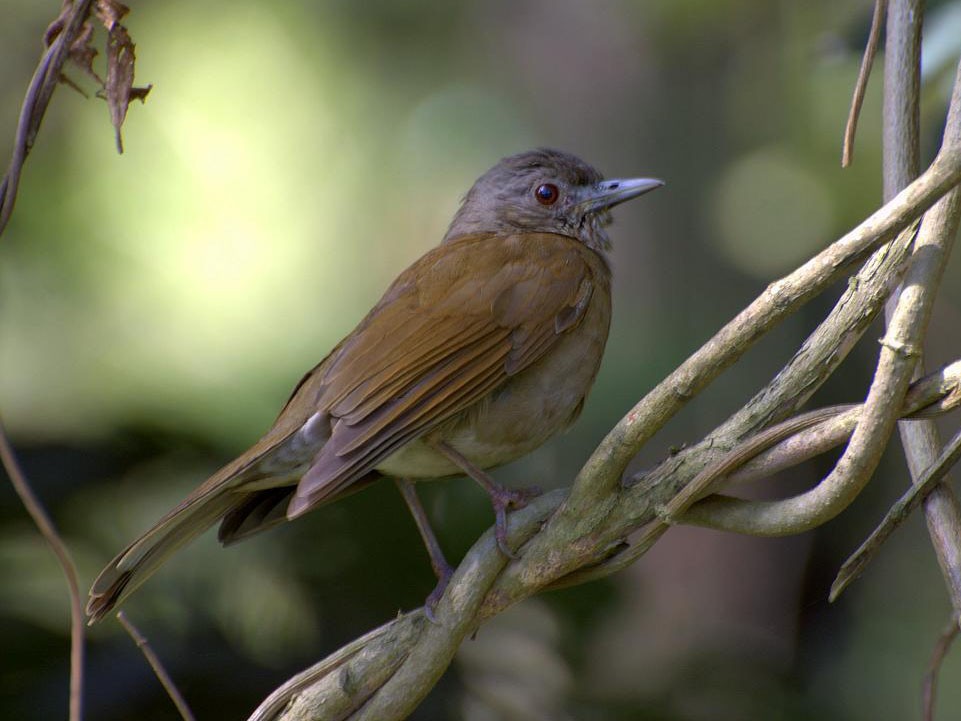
(156, 308)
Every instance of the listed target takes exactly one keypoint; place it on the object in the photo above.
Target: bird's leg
(437, 560)
(501, 498)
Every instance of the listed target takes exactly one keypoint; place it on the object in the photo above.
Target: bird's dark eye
(547, 194)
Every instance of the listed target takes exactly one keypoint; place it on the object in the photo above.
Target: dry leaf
(117, 89)
(82, 52)
(119, 86)
(110, 12)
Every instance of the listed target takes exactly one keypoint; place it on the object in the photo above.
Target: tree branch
(559, 547)
(925, 484)
(901, 141)
(814, 433)
(811, 434)
(158, 668)
(594, 493)
(45, 80)
(861, 85)
(899, 352)
(941, 648)
(901, 113)
(65, 36)
(411, 653)
(49, 532)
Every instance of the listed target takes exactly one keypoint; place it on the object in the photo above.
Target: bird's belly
(417, 460)
(520, 416)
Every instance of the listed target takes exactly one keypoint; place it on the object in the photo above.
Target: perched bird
(478, 353)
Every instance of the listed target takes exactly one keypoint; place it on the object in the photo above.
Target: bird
(478, 353)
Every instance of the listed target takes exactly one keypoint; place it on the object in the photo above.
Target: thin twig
(35, 103)
(59, 548)
(158, 668)
(912, 498)
(44, 82)
(61, 36)
(857, 100)
(930, 685)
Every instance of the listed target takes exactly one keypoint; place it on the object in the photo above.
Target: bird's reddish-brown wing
(451, 329)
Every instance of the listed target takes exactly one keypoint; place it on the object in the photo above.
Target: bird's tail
(136, 563)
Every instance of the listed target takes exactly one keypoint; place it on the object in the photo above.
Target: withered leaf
(119, 88)
(82, 52)
(110, 12)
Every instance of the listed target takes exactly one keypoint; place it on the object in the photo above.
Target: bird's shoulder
(470, 275)
(490, 299)
(477, 285)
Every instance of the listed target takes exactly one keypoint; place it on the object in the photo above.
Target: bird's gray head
(545, 191)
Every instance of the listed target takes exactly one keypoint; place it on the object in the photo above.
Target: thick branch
(344, 682)
(604, 469)
(831, 430)
(588, 527)
(901, 115)
(901, 143)
(899, 352)
(403, 658)
(813, 363)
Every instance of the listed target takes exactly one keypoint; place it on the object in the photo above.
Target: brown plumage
(478, 353)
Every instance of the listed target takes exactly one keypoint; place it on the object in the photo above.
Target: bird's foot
(504, 499)
(430, 605)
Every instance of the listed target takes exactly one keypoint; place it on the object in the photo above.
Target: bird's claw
(430, 605)
(500, 530)
(508, 498)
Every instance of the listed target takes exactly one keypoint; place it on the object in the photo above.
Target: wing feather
(337, 473)
(366, 396)
(453, 328)
(460, 367)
